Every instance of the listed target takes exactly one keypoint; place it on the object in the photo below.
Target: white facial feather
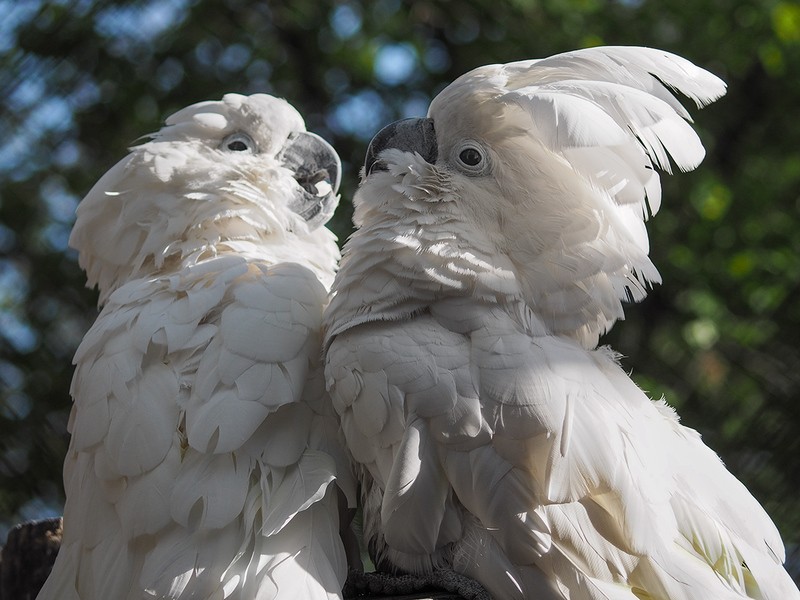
(186, 193)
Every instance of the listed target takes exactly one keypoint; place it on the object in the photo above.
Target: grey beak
(317, 169)
(410, 135)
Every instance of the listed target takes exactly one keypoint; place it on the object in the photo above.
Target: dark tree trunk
(27, 557)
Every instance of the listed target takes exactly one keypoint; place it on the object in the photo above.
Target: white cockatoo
(203, 461)
(497, 239)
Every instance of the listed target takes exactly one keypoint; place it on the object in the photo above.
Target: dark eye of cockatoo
(471, 158)
(239, 142)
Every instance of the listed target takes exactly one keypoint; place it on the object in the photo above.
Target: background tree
(82, 79)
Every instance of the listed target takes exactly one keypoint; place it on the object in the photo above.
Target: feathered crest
(608, 115)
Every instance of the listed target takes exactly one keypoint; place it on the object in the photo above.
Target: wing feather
(577, 472)
(305, 483)
(162, 379)
(416, 479)
(257, 362)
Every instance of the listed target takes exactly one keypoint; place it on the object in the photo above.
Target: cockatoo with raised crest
(204, 460)
(497, 239)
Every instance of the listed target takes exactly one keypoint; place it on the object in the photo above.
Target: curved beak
(409, 135)
(317, 169)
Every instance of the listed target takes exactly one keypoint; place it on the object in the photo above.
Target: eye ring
(239, 142)
(471, 158)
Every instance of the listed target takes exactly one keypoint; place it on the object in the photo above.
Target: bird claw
(397, 587)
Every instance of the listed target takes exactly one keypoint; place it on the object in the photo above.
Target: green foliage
(81, 80)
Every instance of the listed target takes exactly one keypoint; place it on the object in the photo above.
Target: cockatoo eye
(471, 158)
(239, 142)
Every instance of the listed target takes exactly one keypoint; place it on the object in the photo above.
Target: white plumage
(204, 449)
(497, 240)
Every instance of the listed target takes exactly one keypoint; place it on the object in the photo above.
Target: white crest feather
(608, 116)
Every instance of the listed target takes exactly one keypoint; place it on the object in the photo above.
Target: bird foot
(388, 586)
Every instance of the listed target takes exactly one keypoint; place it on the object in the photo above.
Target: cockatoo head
(545, 171)
(219, 175)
